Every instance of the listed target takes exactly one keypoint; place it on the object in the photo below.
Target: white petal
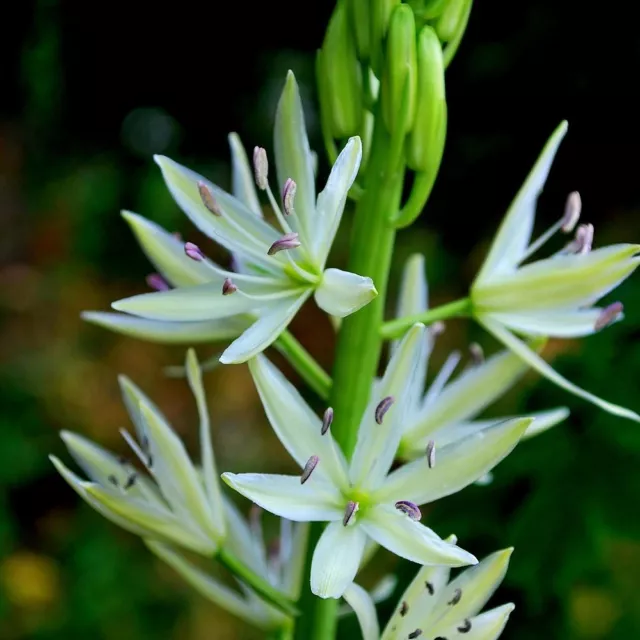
(238, 229)
(341, 293)
(244, 187)
(515, 231)
(271, 323)
(333, 197)
(209, 470)
(166, 253)
(470, 393)
(377, 443)
(555, 324)
(336, 559)
(285, 496)
(537, 363)
(486, 626)
(457, 465)
(295, 424)
(365, 610)
(293, 570)
(198, 302)
(168, 332)
(410, 539)
(477, 584)
(543, 420)
(293, 155)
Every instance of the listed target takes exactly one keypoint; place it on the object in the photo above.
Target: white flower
(553, 296)
(176, 504)
(432, 607)
(277, 269)
(362, 500)
(447, 412)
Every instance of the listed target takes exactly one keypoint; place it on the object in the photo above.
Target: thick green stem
(302, 361)
(395, 328)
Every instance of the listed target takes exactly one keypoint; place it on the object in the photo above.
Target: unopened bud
(409, 509)
(157, 282)
(261, 167)
(359, 12)
(609, 315)
(572, 210)
(349, 511)
(193, 251)
(288, 241)
(311, 464)
(228, 287)
(210, 203)
(288, 196)
(327, 419)
(451, 18)
(383, 406)
(380, 15)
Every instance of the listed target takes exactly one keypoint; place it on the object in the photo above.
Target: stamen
(210, 203)
(288, 241)
(177, 235)
(431, 454)
(193, 251)
(572, 210)
(113, 480)
(327, 420)
(228, 287)
(312, 463)
(349, 511)
(437, 328)
(430, 588)
(261, 167)
(415, 634)
(409, 509)
(477, 354)
(582, 241)
(383, 406)
(440, 638)
(404, 608)
(465, 627)
(609, 315)
(157, 282)
(457, 596)
(131, 480)
(288, 196)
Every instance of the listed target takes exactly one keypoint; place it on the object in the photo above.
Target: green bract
(363, 500)
(275, 273)
(553, 296)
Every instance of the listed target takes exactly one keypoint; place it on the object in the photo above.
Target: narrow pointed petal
(572, 323)
(410, 539)
(486, 626)
(377, 443)
(295, 424)
(133, 398)
(293, 577)
(262, 333)
(336, 559)
(515, 231)
(341, 293)
(168, 332)
(244, 187)
(166, 252)
(206, 585)
(333, 197)
(293, 156)
(209, 470)
(315, 500)
(476, 584)
(414, 290)
(365, 611)
(544, 420)
(465, 397)
(458, 465)
(542, 367)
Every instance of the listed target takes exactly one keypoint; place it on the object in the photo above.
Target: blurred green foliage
(88, 100)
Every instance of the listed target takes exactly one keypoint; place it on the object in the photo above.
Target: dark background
(91, 90)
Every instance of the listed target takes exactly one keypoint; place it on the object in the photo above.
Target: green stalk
(395, 328)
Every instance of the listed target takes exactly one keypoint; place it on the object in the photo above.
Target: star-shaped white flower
(555, 296)
(362, 500)
(432, 607)
(448, 411)
(277, 270)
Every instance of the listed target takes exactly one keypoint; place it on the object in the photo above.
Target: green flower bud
(399, 79)
(426, 140)
(380, 14)
(359, 11)
(454, 13)
(340, 77)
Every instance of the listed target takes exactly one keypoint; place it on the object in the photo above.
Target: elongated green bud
(340, 77)
(380, 14)
(359, 12)
(450, 19)
(399, 78)
(426, 140)
(431, 9)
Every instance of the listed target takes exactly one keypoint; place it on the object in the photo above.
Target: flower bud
(340, 77)
(426, 140)
(380, 14)
(359, 12)
(454, 13)
(399, 79)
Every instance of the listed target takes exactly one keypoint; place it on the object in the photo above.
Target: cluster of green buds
(386, 59)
